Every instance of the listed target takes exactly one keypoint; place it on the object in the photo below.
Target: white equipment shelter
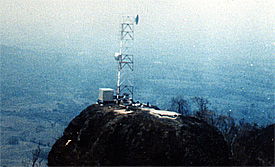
(106, 95)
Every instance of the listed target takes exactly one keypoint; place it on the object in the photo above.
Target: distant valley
(42, 92)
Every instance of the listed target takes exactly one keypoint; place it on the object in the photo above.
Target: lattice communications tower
(125, 58)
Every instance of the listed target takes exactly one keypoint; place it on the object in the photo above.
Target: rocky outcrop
(104, 136)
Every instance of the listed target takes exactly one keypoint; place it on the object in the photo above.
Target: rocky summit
(115, 136)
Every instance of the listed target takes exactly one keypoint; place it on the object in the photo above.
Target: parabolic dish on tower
(117, 56)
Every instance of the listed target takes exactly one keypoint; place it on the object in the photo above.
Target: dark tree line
(226, 124)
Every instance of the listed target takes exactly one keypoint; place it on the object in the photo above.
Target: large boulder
(104, 135)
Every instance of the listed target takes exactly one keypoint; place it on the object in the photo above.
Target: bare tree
(35, 156)
(180, 105)
(35, 160)
(228, 127)
(202, 105)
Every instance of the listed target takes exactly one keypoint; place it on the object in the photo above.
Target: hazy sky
(84, 25)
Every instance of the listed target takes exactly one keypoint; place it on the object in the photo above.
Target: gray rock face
(114, 136)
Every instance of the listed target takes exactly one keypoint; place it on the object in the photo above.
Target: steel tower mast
(125, 58)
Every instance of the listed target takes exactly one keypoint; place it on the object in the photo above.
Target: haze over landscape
(56, 54)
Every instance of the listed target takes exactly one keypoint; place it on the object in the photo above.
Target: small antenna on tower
(125, 58)
(136, 20)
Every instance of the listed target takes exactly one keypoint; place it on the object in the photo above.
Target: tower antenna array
(125, 58)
